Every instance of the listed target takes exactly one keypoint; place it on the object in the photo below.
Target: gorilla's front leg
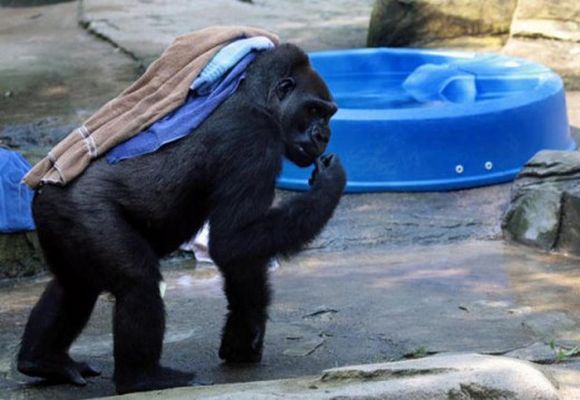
(246, 232)
(248, 294)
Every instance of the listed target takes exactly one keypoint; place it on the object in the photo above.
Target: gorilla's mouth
(302, 155)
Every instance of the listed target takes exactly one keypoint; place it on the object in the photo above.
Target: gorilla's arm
(246, 227)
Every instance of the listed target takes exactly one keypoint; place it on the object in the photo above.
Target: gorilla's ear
(284, 87)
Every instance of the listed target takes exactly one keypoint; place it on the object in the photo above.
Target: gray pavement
(144, 30)
(338, 308)
(53, 75)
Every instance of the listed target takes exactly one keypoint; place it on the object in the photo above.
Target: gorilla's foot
(159, 378)
(242, 340)
(58, 369)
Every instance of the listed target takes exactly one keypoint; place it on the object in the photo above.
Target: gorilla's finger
(327, 159)
(320, 164)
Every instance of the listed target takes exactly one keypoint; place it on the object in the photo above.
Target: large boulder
(441, 23)
(555, 19)
(545, 208)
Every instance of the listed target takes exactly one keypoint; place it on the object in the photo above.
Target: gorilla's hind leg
(139, 320)
(54, 323)
(138, 329)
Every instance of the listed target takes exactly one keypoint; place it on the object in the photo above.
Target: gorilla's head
(300, 100)
(306, 107)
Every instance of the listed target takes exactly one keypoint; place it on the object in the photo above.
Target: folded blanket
(160, 90)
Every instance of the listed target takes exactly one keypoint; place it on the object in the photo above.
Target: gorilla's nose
(320, 136)
(332, 109)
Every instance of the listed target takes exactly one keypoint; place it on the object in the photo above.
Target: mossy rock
(20, 255)
(545, 207)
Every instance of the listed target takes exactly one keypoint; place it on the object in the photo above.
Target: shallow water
(387, 92)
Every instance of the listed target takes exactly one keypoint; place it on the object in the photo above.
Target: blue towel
(182, 121)
(15, 196)
(209, 91)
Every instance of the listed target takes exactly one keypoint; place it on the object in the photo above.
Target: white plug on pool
(459, 168)
(488, 165)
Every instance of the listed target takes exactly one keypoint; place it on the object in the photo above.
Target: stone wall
(440, 23)
(471, 23)
(554, 19)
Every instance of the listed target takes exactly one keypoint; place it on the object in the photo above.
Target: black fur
(106, 230)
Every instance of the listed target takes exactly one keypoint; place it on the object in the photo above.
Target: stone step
(455, 376)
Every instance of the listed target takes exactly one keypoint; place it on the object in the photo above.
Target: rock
(534, 218)
(538, 352)
(569, 235)
(438, 23)
(545, 208)
(451, 376)
(20, 255)
(555, 19)
(446, 376)
(567, 375)
(562, 56)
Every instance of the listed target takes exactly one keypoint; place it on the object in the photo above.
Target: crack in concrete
(91, 26)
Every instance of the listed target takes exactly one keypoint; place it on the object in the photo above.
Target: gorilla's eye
(284, 87)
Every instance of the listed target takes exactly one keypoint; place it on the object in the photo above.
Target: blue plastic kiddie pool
(418, 120)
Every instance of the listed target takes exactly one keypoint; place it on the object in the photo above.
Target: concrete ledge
(446, 376)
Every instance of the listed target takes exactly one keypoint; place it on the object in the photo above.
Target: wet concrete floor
(53, 75)
(338, 308)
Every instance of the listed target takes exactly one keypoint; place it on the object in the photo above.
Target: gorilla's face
(306, 107)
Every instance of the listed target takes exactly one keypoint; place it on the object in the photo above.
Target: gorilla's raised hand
(328, 174)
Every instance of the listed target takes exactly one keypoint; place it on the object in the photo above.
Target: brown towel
(160, 90)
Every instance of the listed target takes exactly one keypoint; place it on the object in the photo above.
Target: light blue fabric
(183, 120)
(225, 59)
(15, 196)
(441, 82)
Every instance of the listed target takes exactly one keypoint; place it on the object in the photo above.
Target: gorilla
(106, 230)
